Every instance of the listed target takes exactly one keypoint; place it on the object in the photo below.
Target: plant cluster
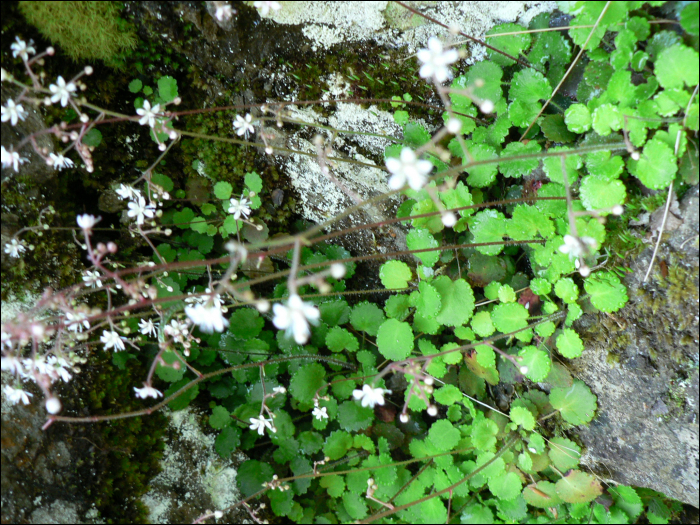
(362, 410)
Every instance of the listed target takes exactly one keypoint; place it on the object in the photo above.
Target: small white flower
(223, 12)
(265, 7)
(77, 321)
(295, 318)
(62, 91)
(12, 158)
(259, 424)
(22, 49)
(239, 207)
(449, 219)
(147, 327)
(338, 270)
(140, 210)
(408, 167)
(148, 114)
(59, 161)
(243, 125)
(147, 391)
(13, 112)
(576, 247)
(279, 390)
(14, 248)
(320, 413)
(435, 60)
(454, 125)
(208, 319)
(370, 396)
(53, 405)
(59, 368)
(178, 331)
(112, 339)
(15, 395)
(12, 364)
(86, 222)
(127, 192)
(92, 279)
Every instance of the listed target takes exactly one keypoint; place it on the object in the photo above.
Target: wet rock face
(642, 363)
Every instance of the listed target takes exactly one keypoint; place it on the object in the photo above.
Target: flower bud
(53, 405)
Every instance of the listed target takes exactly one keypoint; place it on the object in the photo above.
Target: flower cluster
(137, 206)
(295, 318)
(408, 168)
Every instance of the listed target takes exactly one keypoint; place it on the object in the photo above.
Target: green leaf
(521, 113)
(566, 289)
(92, 138)
(576, 404)
(569, 344)
(657, 166)
(443, 435)
(448, 395)
(395, 274)
(353, 417)
(281, 503)
(676, 66)
(251, 475)
(223, 190)
(518, 168)
(183, 218)
(337, 444)
(339, 339)
(578, 118)
(428, 301)
(488, 226)
(228, 440)
(219, 417)
(397, 307)
(477, 514)
(554, 129)
(335, 485)
(419, 239)
(604, 166)
(488, 75)
(401, 117)
(310, 442)
(457, 301)
(607, 293)
(135, 85)
(606, 119)
(355, 505)
(245, 323)
(552, 167)
(395, 339)
(506, 486)
(306, 381)
(484, 175)
(627, 499)
(415, 135)
(521, 416)
(529, 86)
(335, 312)
(578, 487)
(540, 286)
(542, 494)
(527, 222)
(564, 453)
(366, 317)
(482, 325)
(483, 434)
(167, 88)
(253, 182)
(509, 317)
(506, 294)
(537, 362)
(552, 47)
(511, 44)
(689, 19)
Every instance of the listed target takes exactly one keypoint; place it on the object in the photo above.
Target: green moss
(84, 30)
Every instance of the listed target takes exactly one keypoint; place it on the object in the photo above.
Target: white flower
(15, 395)
(20, 48)
(53, 405)
(11, 158)
(259, 424)
(239, 208)
(279, 390)
(243, 125)
(178, 331)
(147, 391)
(13, 112)
(112, 339)
(86, 222)
(370, 396)
(12, 364)
(295, 317)
(223, 12)
(140, 210)
(92, 279)
(435, 60)
(320, 413)
(77, 321)
(58, 368)
(408, 167)
(14, 248)
(59, 161)
(576, 247)
(62, 91)
(265, 7)
(147, 327)
(127, 192)
(208, 319)
(148, 114)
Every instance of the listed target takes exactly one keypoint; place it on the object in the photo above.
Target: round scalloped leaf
(366, 317)
(627, 499)
(564, 453)
(689, 18)
(353, 417)
(395, 274)
(527, 222)
(167, 88)
(245, 323)
(569, 344)
(518, 168)
(606, 291)
(576, 404)
(566, 289)
(509, 317)
(606, 119)
(578, 487)
(506, 294)
(489, 75)
(395, 339)
(457, 301)
(506, 487)
(542, 495)
(337, 444)
(483, 175)
(447, 395)
(339, 339)
(545, 329)
(537, 362)
(578, 118)
(335, 312)
(397, 307)
(223, 190)
(482, 325)
(510, 44)
(251, 475)
(529, 86)
(420, 239)
(555, 130)
(483, 434)
(476, 513)
(521, 416)
(657, 166)
(521, 113)
(488, 226)
(428, 301)
(443, 435)
(306, 381)
(540, 286)
(677, 65)
(598, 192)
